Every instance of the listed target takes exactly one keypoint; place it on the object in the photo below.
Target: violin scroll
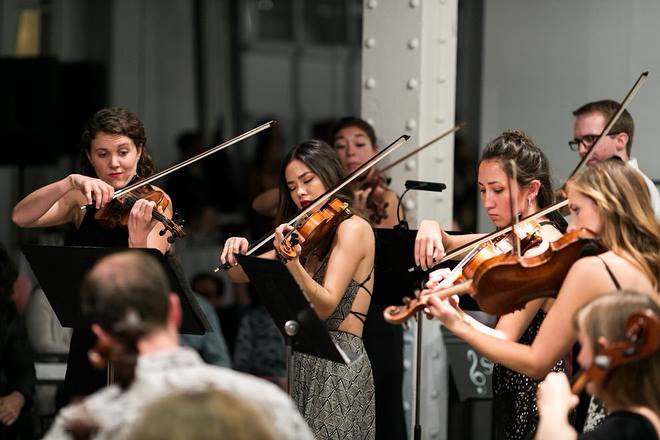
(641, 341)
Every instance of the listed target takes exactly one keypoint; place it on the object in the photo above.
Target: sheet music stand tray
(60, 271)
(292, 312)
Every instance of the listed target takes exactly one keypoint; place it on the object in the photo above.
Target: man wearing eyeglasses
(590, 120)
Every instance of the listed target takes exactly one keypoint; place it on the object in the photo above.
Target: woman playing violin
(610, 199)
(514, 393)
(113, 152)
(355, 142)
(629, 391)
(335, 399)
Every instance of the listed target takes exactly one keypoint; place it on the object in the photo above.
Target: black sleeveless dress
(81, 377)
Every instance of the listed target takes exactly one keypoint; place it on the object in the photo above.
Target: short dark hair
(352, 121)
(608, 108)
(124, 284)
(117, 121)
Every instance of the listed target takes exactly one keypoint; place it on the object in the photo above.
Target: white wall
(545, 58)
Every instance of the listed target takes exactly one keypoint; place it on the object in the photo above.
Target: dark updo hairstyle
(531, 163)
(116, 121)
(351, 121)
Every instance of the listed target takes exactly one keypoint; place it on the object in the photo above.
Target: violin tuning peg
(162, 232)
(294, 239)
(178, 219)
(171, 239)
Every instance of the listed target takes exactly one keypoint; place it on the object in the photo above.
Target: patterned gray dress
(337, 400)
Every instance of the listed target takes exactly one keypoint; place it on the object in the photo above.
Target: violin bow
(192, 160)
(418, 149)
(626, 100)
(615, 117)
(320, 200)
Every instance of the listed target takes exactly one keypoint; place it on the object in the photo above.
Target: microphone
(425, 186)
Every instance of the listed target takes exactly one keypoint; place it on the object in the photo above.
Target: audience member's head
(202, 415)
(127, 299)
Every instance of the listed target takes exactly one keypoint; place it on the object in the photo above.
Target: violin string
(460, 250)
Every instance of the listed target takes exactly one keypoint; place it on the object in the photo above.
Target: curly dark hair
(118, 121)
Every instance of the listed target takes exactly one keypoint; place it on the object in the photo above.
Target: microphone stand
(417, 356)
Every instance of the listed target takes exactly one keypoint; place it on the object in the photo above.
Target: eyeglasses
(588, 140)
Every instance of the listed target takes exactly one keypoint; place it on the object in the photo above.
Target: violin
(504, 283)
(118, 210)
(642, 340)
(323, 198)
(311, 230)
(378, 183)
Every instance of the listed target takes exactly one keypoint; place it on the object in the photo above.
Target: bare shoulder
(355, 228)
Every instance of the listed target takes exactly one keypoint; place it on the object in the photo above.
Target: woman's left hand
(446, 310)
(280, 232)
(141, 222)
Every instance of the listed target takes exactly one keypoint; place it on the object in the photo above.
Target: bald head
(123, 283)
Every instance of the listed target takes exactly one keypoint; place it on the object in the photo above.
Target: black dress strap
(359, 315)
(609, 271)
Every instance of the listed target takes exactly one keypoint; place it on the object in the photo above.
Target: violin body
(311, 230)
(118, 210)
(506, 283)
(503, 283)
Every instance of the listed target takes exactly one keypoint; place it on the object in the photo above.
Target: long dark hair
(118, 121)
(322, 160)
(531, 163)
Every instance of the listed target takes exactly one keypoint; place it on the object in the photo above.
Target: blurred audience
(260, 348)
(17, 374)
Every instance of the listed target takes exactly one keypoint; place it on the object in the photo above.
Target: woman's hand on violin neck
(141, 222)
(447, 311)
(96, 191)
(280, 232)
(429, 247)
(233, 245)
(361, 196)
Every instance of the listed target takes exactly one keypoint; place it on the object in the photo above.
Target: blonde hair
(633, 384)
(630, 228)
(202, 415)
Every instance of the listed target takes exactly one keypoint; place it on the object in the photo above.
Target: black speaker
(28, 91)
(44, 105)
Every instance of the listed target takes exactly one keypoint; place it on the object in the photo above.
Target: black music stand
(292, 312)
(60, 271)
